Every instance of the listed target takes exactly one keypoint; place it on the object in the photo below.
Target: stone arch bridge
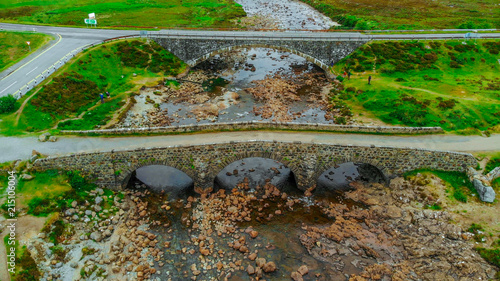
(203, 162)
(322, 49)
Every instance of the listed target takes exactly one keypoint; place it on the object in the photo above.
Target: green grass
(49, 185)
(411, 14)
(13, 47)
(119, 67)
(461, 187)
(120, 13)
(437, 83)
(492, 163)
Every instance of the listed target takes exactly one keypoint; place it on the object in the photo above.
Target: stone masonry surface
(254, 125)
(322, 52)
(203, 162)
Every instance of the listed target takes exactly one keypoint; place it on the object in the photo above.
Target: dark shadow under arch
(338, 177)
(160, 179)
(309, 58)
(256, 169)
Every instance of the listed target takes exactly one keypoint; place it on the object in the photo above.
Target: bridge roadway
(70, 40)
(13, 148)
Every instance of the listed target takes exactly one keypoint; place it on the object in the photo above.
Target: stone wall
(257, 125)
(203, 162)
(321, 52)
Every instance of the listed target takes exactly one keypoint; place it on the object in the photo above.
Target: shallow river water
(287, 14)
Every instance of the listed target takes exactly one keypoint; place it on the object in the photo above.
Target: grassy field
(72, 93)
(13, 46)
(448, 84)
(411, 14)
(120, 13)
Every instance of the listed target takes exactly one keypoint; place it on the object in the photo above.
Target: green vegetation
(7, 104)
(478, 232)
(414, 14)
(492, 163)
(461, 187)
(13, 45)
(47, 185)
(26, 269)
(121, 13)
(72, 94)
(451, 84)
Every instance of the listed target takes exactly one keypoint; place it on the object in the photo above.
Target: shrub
(447, 104)
(340, 78)
(490, 255)
(7, 104)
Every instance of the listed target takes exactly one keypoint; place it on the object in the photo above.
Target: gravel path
(12, 148)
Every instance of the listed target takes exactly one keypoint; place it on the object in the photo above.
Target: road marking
(58, 41)
(8, 87)
(31, 70)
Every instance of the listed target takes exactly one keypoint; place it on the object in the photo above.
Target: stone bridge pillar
(305, 171)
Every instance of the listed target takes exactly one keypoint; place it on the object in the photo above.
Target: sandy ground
(27, 227)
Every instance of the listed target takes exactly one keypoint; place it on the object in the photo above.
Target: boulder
(269, 267)
(296, 276)
(34, 157)
(44, 137)
(52, 139)
(303, 270)
(486, 193)
(27, 177)
(250, 270)
(96, 236)
(98, 200)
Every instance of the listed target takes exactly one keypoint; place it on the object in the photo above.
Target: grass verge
(13, 46)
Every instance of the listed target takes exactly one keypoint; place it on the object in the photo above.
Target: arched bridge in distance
(322, 49)
(203, 162)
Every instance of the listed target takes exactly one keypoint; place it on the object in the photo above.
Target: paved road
(20, 148)
(66, 40)
(32, 70)
(306, 35)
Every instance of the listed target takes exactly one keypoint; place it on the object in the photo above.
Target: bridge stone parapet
(203, 162)
(321, 51)
(259, 125)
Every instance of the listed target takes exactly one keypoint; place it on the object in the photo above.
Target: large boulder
(44, 137)
(486, 193)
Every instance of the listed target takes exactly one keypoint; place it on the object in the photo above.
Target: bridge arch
(326, 165)
(254, 168)
(124, 176)
(222, 50)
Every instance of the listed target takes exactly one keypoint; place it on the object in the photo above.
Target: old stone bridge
(203, 162)
(322, 49)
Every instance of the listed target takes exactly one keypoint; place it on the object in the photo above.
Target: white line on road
(31, 70)
(8, 87)
(58, 41)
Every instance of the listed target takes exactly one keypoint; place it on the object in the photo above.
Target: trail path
(13, 148)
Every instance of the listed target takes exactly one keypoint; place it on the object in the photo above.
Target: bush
(7, 104)
(490, 255)
(340, 78)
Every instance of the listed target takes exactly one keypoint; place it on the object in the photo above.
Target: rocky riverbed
(242, 85)
(372, 232)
